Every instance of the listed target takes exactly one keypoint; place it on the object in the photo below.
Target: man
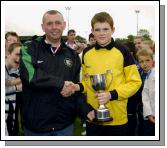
(48, 67)
(73, 43)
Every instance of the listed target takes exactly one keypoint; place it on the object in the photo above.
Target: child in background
(12, 85)
(145, 58)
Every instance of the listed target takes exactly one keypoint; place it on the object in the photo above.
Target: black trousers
(99, 130)
(132, 125)
(148, 128)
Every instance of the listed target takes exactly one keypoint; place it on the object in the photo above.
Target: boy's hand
(103, 97)
(91, 115)
(151, 118)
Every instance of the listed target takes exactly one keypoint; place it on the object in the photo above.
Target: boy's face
(138, 43)
(14, 58)
(102, 33)
(10, 40)
(146, 63)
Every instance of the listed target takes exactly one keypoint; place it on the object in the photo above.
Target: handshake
(69, 88)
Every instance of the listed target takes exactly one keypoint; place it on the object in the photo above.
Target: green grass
(78, 129)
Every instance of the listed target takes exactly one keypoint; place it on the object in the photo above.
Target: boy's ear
(113, 30)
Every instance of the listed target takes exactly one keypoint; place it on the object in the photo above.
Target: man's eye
(105, 29)
(49, 23)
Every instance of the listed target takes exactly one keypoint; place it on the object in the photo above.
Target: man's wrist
(77, 87)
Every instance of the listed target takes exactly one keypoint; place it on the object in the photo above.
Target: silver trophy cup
(99, 84)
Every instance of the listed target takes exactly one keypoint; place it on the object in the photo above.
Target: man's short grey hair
(50, 12)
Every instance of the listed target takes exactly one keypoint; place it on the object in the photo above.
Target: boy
(145, 58)
(12, 85)
(10, 38)
(138, 42)
(107, 55)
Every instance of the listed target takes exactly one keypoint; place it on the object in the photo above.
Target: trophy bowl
(99, 85)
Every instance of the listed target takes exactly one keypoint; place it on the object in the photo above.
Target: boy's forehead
(144, 57)
(101, 24)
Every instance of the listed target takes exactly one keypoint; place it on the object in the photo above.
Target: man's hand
(69, 88)
(103, 97)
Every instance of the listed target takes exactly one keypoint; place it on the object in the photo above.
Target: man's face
(71, 37)
(102, 33)
(146, 63)
(53, 26)
(138, 43)
(14, 58)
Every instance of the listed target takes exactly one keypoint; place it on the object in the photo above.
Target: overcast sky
(25, 19)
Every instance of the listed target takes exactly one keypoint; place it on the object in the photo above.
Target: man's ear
(64, 23)
(42, 26)
(113, 30)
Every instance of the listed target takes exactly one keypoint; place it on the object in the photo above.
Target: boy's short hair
(139, 37)
(148, 42)
(144, 52)
(71, 31)
(102, 17)
(13, 46)
(12, 33)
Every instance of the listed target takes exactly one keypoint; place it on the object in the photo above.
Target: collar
(108, 47)
(48, 46)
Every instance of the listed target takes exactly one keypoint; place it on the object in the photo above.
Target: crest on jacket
(68, 62)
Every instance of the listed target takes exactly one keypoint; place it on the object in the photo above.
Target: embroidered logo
(39, 62)
(68, 62)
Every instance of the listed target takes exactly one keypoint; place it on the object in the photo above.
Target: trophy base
(103, 115)
(104, 120)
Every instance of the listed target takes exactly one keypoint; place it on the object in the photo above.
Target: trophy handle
(109, 72)
(86, 82)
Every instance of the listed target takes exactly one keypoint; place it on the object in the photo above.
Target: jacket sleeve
(10, 89)
(131, 85)
(32, 75)
(149, 87)
(132, 79)
(77, 69)
(83, 108)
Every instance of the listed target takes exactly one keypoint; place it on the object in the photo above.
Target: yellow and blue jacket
(125, 79)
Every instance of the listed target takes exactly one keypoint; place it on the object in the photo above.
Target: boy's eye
(140, 62)
(97, 30)
(103, 29)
